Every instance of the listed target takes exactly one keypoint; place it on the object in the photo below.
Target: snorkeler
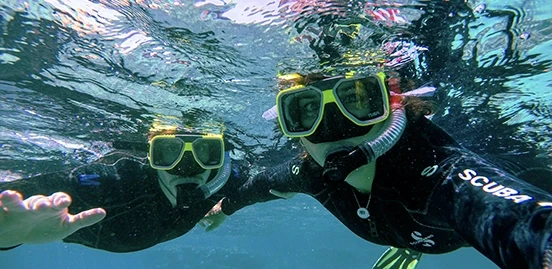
(139, 197)
(395, 178)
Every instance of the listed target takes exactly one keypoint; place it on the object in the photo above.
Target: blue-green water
(77, 75)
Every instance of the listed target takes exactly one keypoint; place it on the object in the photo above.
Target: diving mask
(189, 154)
(362, 100)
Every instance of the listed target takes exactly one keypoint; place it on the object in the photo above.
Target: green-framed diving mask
(188, 153)
(363, 100)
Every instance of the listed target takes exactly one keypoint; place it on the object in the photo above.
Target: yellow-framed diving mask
(167, 151)
(363, 100)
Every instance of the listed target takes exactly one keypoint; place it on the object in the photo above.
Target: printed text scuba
(492, 187)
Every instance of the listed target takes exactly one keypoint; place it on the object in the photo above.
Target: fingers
(12, 201)
(60, 200)
(39, 203)
(211, 212)
(86, 218)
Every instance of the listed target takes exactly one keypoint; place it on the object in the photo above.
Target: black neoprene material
(138, 213)
(430, 195)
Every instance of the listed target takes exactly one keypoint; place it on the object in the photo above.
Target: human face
(362, 101)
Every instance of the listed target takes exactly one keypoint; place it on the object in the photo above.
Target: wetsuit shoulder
(401, 173)
(502, 216)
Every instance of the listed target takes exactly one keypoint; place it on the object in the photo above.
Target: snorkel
(185, 191)
(388, 135)
(338, 165)
(393, 128)
(215, 184)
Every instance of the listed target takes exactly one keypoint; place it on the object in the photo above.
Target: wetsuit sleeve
(505, 218)
(297, 175)
(69, 181)
(118, 181)
(44, 184)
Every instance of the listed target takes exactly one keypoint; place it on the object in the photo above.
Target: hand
(284, 195)
(40, 219)
(214, 218)
(340, 164)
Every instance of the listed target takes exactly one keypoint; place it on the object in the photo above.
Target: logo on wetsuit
(425, 241)
(492, 187)
(295, 169)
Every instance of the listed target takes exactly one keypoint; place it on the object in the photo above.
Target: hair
(414, 106)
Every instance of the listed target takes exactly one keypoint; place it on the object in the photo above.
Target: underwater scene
(82, 78)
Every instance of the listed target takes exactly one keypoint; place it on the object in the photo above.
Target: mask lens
(166, 151)
(208, 152)
(300, 109)
(362, 98)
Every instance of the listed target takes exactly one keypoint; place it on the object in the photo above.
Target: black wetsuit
(139, 215)
(429, 194)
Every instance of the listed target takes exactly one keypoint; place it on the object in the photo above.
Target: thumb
(215, 224)
(212, 227)
(284, 195)
(87, 218)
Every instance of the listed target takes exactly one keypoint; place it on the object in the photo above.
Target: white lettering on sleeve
(489, 186)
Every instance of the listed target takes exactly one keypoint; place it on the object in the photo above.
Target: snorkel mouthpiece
(188, 196)
(338, 165)
(186, 191)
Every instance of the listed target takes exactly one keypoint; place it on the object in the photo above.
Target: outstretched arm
(281, 182)
(298, 175)
(507, 220)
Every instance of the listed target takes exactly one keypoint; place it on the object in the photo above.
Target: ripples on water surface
(77, 75)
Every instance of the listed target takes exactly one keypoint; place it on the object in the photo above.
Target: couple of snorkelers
(372, 159)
